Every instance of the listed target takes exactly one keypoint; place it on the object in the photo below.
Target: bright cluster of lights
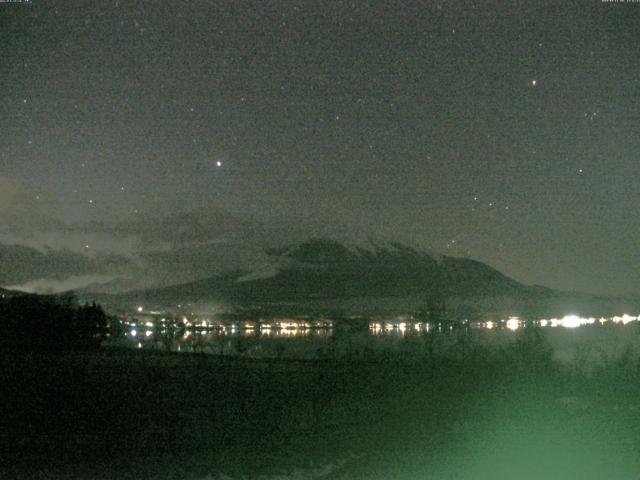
(276, 328)
(568, 321)
(395, 327)
(624, 319)
(513, 323)
(291, 324)
(134, 333)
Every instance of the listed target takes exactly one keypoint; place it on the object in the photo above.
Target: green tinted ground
(509, 413)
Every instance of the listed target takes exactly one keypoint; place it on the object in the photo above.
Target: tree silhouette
(32, 322)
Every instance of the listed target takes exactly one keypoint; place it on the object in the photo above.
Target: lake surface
(570, 336)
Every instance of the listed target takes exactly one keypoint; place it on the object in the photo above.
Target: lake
(570, 336)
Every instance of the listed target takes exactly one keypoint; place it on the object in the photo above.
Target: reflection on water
(511, 323)
(306, 338)
(248, 338)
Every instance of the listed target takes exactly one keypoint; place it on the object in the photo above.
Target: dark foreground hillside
(50, 323)
(480, 414)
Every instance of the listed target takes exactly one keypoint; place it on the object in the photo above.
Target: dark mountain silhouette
(326, 275)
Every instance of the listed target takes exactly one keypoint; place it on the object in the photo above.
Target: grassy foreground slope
(479, 413)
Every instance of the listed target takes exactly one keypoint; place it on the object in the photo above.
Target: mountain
(323, 275)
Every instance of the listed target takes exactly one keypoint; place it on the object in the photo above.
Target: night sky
(507, 132)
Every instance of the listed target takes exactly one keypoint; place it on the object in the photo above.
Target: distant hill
(322, 275)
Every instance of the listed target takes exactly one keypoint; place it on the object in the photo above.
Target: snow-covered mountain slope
(324, 275)
(324, 268)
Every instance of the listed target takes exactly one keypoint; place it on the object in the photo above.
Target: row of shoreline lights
(568, 321)
(512, 323)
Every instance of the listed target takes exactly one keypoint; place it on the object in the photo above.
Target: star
(218, 163)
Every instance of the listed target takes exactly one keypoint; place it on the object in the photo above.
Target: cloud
(39, 252)
(203, 225)
(22, 264)
(85, 243)
(23, 211)
(32, 219)
(51, 285)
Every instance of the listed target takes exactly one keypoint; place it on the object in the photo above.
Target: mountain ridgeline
(327, 269)
(323, 275)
